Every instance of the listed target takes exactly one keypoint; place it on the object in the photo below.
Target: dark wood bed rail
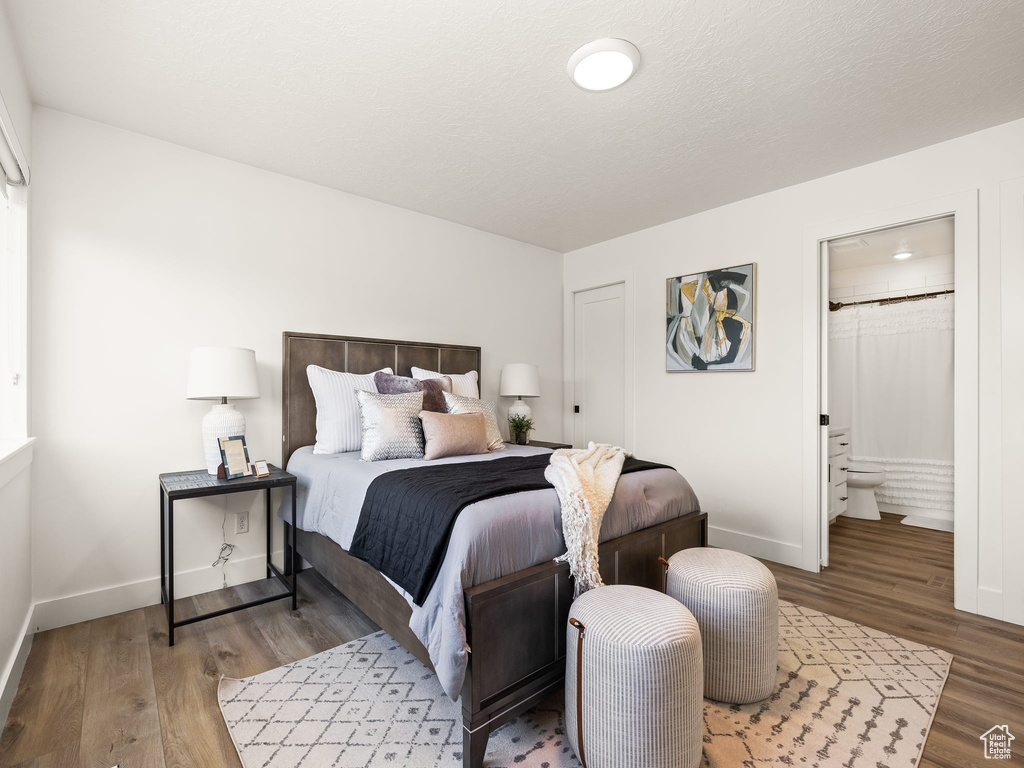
(515, 624)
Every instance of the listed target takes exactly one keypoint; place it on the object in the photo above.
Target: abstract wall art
(710, 320)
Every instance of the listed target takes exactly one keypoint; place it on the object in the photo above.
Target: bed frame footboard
(515, 624)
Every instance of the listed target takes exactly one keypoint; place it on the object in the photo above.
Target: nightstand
(552, 446)
(177, 486)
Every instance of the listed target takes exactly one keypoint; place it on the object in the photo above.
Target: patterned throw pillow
(433, 389)
(391, 426)
(465, 384)
(460, 404)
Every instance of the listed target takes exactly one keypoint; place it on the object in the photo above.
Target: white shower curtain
(891, 382)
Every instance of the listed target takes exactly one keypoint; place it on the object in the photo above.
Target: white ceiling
(924, 240)
(462, 108)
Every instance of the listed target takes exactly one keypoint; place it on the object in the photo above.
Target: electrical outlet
(242, 522)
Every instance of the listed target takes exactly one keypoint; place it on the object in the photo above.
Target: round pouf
(633, 680)
(736, 603)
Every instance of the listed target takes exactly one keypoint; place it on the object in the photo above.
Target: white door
(599, 366)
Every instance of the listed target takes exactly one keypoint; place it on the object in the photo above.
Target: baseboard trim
(62, 611)
(12, 675)
(1013, 612)
(990, 602)
(757, 546)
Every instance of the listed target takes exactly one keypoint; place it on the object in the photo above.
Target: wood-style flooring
(899, 579)
(110, 692)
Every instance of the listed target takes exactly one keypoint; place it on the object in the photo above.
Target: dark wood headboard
(354, 355)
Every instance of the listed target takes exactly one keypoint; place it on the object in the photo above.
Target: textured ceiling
(462, 108)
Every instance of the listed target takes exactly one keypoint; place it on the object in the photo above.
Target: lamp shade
(216, 372)
(519, 380)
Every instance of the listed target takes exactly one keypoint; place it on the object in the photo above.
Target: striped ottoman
(736, 603)
(633, 687)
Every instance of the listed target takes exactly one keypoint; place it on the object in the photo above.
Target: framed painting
(710, 320)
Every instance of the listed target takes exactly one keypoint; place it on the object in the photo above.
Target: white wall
(15, 570)
(737, 436)
(143, 250)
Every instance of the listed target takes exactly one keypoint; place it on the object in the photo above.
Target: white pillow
(465, 384)
(338, 428)
(460, 404)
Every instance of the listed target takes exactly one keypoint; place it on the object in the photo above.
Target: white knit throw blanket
(585, 480)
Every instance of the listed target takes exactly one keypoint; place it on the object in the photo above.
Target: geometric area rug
(846, 695)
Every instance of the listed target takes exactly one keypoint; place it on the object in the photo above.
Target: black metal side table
(177, 486)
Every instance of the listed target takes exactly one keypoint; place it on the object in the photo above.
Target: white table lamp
(217, 373)
(519, 380)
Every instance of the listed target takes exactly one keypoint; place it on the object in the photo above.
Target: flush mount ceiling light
(603, 64)
(901, 255)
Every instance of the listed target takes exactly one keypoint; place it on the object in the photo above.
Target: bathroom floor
(936, 519)
(905, 555)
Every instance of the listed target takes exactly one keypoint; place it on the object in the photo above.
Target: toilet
(861, 481)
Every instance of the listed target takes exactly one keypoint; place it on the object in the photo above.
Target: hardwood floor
(110, 691)
(899, 579)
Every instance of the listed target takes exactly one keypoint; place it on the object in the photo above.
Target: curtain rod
(837, 305)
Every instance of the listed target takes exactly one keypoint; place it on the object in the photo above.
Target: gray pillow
(433, 389)
(391, 426)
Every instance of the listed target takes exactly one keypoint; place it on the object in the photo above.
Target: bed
(493, 625)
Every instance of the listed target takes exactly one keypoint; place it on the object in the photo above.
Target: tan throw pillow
(459, 404)
(450, 434)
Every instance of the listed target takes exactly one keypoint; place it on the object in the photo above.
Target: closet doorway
(888, 382)
(599, 366)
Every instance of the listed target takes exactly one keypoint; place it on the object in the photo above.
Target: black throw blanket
(408, 515)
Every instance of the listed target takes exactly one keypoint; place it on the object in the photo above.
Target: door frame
(1009, 605)
(603, 279)
(966, 404)
(824, 466)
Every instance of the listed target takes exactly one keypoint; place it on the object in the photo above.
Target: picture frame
(711, 320)
(234, 456)
(261, 468)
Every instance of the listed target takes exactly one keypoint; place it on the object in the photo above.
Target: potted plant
(519, 428)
